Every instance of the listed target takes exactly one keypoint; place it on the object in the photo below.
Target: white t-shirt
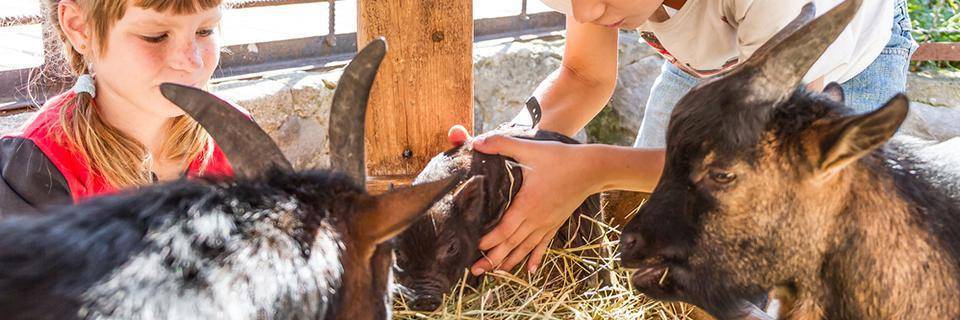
(705, 37)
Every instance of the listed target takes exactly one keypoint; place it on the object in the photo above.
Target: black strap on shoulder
(533, 108)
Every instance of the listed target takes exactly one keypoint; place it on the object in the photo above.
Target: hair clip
(85, 84)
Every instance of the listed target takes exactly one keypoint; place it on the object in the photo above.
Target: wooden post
(424, 86)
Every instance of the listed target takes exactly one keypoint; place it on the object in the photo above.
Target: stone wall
(293, 106)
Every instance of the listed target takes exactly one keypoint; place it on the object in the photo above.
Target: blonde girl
(113, 129)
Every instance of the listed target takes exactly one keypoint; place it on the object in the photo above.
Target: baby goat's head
(433, 254)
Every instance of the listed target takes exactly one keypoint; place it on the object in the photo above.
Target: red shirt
(45, 131)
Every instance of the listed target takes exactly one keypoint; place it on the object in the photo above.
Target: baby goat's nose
(631, 249)
(427, 302)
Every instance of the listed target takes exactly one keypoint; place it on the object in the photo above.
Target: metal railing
(19, 92)
(36, 18)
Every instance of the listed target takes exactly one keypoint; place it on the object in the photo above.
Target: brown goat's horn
(807, 13)
(349, 109)
(775, 70)
(249, 149)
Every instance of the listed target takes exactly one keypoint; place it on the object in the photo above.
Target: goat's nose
(631, 242)
(631, 249)
(427, 302)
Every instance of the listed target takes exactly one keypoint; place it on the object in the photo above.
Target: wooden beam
(938, 51)
(424, 86)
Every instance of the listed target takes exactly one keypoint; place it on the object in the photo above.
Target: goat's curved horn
(807, 13)
(775, 70)
(349, 109)
(249, 149)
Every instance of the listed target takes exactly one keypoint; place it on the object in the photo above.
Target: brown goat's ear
(384, 216)
(469, 199)
(835, 92)
(853, 137)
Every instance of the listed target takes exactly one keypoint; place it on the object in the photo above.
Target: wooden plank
(425, 84)
(938, 51)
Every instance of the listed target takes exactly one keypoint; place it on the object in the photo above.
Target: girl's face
(628, 14)
(146, 48)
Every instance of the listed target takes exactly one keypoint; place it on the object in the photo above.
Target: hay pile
(555, 292)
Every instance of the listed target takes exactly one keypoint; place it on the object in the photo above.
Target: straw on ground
(555, 291)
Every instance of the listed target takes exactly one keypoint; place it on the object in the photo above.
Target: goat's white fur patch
(253, 277)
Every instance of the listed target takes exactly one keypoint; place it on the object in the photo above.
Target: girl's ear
(73, 24)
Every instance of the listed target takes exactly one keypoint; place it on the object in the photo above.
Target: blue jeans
(881, 80)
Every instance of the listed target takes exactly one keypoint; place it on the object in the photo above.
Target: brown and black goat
(767, 186)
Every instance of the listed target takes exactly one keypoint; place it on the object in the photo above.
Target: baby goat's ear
(469, 199)
(384, 216)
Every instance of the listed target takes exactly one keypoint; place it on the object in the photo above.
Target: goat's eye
(401, 258)
(450, 250)
(722, 177)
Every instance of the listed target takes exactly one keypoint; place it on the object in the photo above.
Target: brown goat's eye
(722, 177)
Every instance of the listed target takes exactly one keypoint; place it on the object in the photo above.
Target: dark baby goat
(433, 254)
(767, 186)
(271, 244)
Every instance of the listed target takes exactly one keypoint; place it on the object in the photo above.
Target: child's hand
(555, 182)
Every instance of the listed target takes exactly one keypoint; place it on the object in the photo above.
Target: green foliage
(935, 21)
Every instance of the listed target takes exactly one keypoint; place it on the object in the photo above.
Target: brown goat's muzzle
(658, 280)
(658, 263)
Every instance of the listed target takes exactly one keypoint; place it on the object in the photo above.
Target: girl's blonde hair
(121, 160)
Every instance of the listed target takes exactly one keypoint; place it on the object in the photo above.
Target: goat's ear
(384, 216)
(851, 138)
(468, 201)
(835, 92)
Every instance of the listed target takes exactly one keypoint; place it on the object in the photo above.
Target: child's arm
(569, 98)
(581, 87)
